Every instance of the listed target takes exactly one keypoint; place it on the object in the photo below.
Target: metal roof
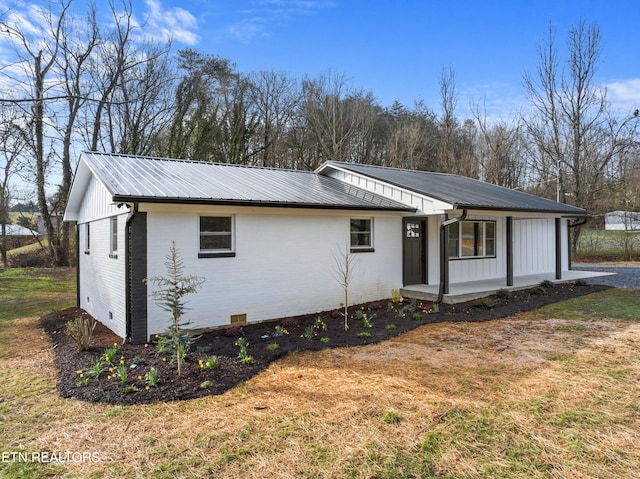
(163, 180)
(460, 191)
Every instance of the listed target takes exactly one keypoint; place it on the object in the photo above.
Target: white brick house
(266, 240)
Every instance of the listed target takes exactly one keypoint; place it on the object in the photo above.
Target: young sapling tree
(169, 296)
(343, 273)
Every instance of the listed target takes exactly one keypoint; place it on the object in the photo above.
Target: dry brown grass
(529, 396)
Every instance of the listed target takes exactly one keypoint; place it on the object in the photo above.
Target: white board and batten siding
(102, 274)
(534, 249)
(423, 204)
(284, 262)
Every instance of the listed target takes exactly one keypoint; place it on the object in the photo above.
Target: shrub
(546, 284)
(289, 323)
(580, 282)
(234, 332)
(504, 293)
(485, 303)
(81, 330)
(539, 290)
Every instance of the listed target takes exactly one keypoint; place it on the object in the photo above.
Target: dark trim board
(137, 272)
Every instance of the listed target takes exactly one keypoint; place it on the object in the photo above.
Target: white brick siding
(283, 264)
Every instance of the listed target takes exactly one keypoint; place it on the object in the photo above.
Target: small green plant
(209, 363)
(243, 355)
(130, 389)
(485, 303)
(81, 330)
(391, 417)
(435, 309)
(546, 284)
(206, 384)
(504, 293)
(324, 339)
(152, 377)
(416, 316)
(111, 353)
(280, 331)
(95, 370)
(409, 308)
(272, 346)
(84, 382)
(364, 334)
(396, 297)
(122, 373)
(309, 333)
(390, 327)
(580, 282)
(539, 290)
(138, 361)
(319, 324)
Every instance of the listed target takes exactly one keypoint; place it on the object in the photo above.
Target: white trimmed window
(87, 238)
(216, 236)
(113, 237)
(472, 239)
(361, 235)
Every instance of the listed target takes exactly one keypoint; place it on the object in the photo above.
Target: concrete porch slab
(466, 291)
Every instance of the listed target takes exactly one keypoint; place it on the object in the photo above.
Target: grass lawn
(555, 393)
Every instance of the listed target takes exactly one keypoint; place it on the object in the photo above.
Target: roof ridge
(201, 162)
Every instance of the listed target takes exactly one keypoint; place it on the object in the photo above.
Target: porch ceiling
(461, 292)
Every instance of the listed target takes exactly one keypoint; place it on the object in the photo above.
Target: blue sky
(398, 48)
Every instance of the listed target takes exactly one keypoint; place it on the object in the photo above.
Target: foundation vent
(238, 319)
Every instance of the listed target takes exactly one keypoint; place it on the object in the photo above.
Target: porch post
(444, 259)
(509, 250)
(558, 248)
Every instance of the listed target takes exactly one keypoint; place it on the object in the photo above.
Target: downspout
(444, 255)
(77, 265)
(127, 269)
(577, 223)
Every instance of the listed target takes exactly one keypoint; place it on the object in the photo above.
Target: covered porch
(466, 291)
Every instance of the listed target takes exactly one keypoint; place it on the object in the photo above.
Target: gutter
(127, 271)
(444, 255)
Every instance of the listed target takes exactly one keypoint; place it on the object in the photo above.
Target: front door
(414, 251)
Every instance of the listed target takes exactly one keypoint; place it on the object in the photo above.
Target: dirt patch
(198, 381)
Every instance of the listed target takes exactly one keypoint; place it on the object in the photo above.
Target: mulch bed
(221, 343)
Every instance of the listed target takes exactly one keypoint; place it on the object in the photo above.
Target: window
(361, 235)
(216, 236)
(472, 239)
(87, 238)
(113, 244)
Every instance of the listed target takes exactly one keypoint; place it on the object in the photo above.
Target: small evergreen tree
(170, 297)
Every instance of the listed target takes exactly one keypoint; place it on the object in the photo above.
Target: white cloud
(624, 95)
(175, 23)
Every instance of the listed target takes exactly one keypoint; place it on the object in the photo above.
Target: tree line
(74, 83)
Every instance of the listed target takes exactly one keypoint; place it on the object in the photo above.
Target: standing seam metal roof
(149, 179)
(461, 191)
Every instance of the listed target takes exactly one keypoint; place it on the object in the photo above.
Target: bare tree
(38, 54)
(345, 263)
(274, 96)
(12, 144)
(575, 132)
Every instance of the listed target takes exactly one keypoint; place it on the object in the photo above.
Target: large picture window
(216, 236)
(361, 235)
(472, 239)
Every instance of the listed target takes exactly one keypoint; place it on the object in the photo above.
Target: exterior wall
(534, 246)
(102, 278)
(283, 265)
(424, 204)
(475, 269)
